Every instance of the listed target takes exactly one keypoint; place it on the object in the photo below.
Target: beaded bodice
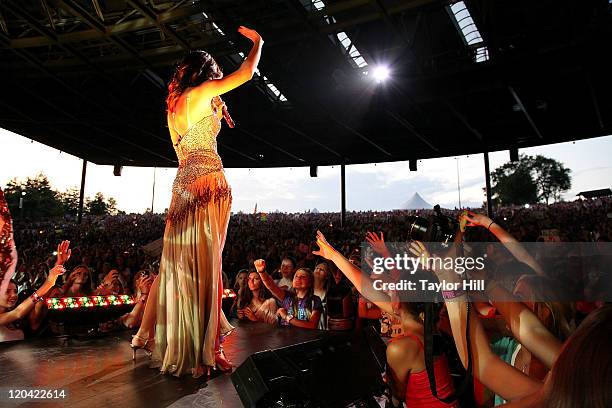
(199, 177)
(196, 150)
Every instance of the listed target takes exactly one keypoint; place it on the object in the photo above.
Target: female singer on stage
(185, 320)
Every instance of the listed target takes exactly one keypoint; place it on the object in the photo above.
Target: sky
(382, 186)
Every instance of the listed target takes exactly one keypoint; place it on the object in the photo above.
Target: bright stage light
(381, 73)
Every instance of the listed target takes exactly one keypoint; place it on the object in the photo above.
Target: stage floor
(99, 372)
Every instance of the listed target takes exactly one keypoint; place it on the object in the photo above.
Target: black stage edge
(99, 372)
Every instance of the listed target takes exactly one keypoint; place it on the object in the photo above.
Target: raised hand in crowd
(110, 277)
(378, 244)
(517, 250)
(260, 265)
(110, 284)
(27, 305)
(63, 253)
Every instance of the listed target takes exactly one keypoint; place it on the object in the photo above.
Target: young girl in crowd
(255, 302)
(300, 307)
(240, 281)
(78, 283)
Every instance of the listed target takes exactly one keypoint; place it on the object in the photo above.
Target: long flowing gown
(189, 315)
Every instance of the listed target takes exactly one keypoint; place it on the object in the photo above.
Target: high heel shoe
(148, 351)
(221, 362)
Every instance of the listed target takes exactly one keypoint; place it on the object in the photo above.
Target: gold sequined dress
(189, 315)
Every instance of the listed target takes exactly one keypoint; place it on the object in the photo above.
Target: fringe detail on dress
(211, 187)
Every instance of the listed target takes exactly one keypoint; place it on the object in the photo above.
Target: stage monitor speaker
(117, 170)
(334, 371)
(412, 164)
(514, 155)
(313, 171)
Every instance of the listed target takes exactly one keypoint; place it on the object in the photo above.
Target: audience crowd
(303, 271)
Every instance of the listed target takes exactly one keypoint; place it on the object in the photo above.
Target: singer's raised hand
(250, 34)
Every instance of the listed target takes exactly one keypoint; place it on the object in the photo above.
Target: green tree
(530, 180)
(551, 177)
(70, 200)
(39, 200)
(111, 206)
(37, 197)
(98, 205)
(514, 184)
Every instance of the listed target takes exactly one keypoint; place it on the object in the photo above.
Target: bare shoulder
(201, 96)
(189, 108)
(403, 349)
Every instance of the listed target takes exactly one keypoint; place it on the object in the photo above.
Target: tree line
(34, 199)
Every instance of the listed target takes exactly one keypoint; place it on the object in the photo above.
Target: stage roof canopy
(88, 76)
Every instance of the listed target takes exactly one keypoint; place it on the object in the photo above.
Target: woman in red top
(406, 371)
(405, 355)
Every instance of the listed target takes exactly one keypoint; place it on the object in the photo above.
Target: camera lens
(419, 227)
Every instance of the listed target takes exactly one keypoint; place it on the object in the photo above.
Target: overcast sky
(383, 186)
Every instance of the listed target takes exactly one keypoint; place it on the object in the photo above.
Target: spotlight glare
(381, 73)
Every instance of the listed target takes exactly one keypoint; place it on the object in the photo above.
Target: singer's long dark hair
(195, 68)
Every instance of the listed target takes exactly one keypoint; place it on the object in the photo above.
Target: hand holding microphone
(218, 102)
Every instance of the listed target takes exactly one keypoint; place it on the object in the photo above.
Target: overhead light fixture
(380, 73)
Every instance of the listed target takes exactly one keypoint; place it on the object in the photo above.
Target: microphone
(227, 117)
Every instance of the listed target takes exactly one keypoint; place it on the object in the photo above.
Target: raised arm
(494, 373)
(209, 89)
(27, 305)
(362, 283)
(516, 249)
(277, 292)
(526, 327)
